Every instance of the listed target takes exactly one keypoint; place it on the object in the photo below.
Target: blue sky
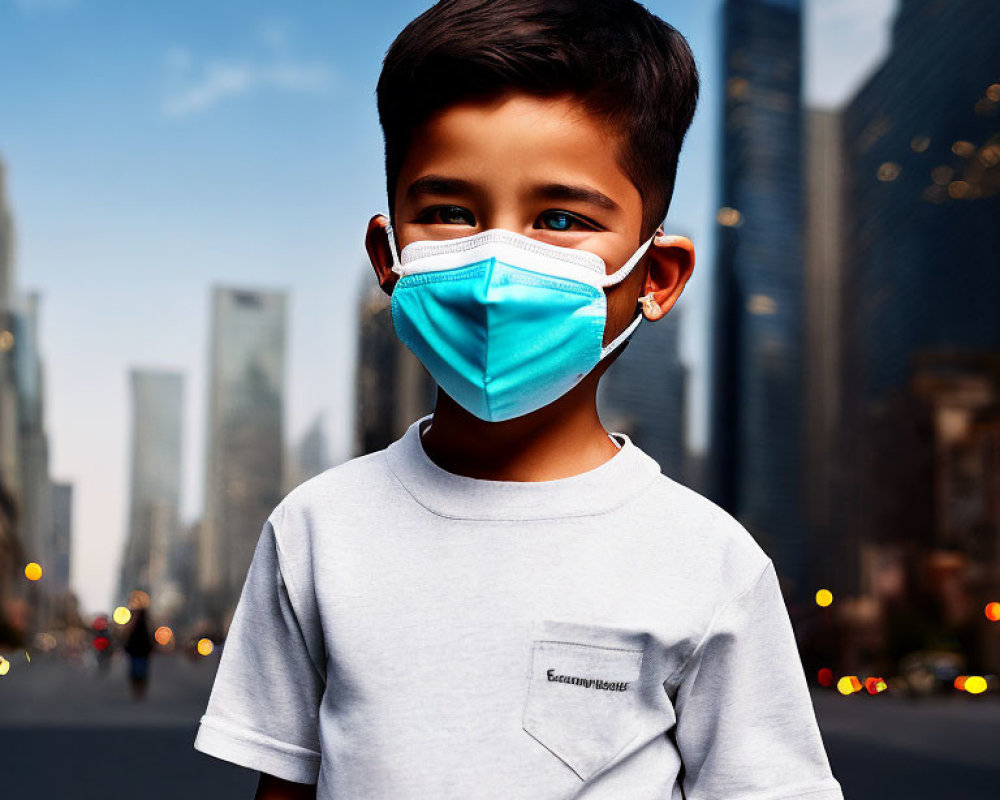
(156, 149)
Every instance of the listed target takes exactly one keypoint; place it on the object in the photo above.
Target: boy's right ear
(379, 252)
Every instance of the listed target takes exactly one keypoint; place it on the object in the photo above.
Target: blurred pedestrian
(139, 646)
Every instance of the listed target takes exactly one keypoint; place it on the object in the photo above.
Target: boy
(510, 601)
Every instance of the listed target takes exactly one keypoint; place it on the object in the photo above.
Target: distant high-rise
(33, 441)
(755, 429)
(243, 475)
(6, 246)
(392, 388)
(834, 554)
(921, 322)
(309, 457)
(61, 549)
(642, 394)
(154, 484)
(25, 491)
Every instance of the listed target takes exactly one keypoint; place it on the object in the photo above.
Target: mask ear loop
(617, 277)
(622, 272)
(397, 265)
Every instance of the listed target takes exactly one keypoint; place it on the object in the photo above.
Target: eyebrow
(440, 185)
(584, 194)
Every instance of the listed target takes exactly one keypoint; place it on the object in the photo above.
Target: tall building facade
(392, 387)
(921, 327)
(309, 457)
(154, 483)
(61, 550)
(834, 552)
(643, 392)
(244, 469)
(25, 489)
(756, 421)
(11, 553)
(7, 277)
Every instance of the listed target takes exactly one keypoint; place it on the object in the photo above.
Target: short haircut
(627, 66)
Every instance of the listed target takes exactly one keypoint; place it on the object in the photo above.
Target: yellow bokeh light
(729, 217)
(6, 340)
(163, 635)
(993, 612)
(4, 666)
(975, 684)
(849, 684)
(958, 189)
(888, 171)
(761, 304)
(963, 148)
(205, 646)
(824, 597)
(121, 615)
(33, 571)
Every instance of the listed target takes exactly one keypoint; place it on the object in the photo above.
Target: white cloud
(844, 41)
(224, 79)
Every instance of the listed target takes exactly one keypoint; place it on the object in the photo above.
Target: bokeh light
(975, 684)
(993, 612)
(729, 217)
(825, 676)
(4, 666)
(849, 684)
(205, 646)
(122, 615)
(824, 597)
(163, 635)
(33, 571)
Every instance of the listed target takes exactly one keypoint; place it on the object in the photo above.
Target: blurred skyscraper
(309, 457)
(243, 475)
(154, 484)
(643, 394)
(25, 488)
(61, 549)
(755, 430)
(921, 330)
(834, 554)
(392, 388)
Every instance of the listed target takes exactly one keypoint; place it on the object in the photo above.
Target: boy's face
(542, 167)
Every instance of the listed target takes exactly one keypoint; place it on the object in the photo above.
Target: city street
(73, 734)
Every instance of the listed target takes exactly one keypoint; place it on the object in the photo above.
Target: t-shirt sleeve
(746, 728)
(263, 711)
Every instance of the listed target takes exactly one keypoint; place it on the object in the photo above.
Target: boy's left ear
(671, 261)
(379, 252)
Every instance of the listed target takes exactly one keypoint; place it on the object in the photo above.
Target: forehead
(517, 139)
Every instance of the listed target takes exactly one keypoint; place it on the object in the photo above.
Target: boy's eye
(446, 215)
(562, 221)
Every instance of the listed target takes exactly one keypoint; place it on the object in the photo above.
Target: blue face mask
(504, 323)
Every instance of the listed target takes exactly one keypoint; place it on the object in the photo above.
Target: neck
(560, 440)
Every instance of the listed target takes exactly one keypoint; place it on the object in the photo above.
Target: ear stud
(649, 305)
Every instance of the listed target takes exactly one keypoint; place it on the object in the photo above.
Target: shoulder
(343, 492)
(709, 536)
(358, 477)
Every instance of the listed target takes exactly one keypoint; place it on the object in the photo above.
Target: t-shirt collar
(595, 491)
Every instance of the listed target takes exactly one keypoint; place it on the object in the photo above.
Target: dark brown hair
(626, 65)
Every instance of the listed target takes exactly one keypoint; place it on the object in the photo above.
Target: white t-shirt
(405, 632)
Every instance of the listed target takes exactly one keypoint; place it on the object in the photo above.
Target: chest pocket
(582, 701)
